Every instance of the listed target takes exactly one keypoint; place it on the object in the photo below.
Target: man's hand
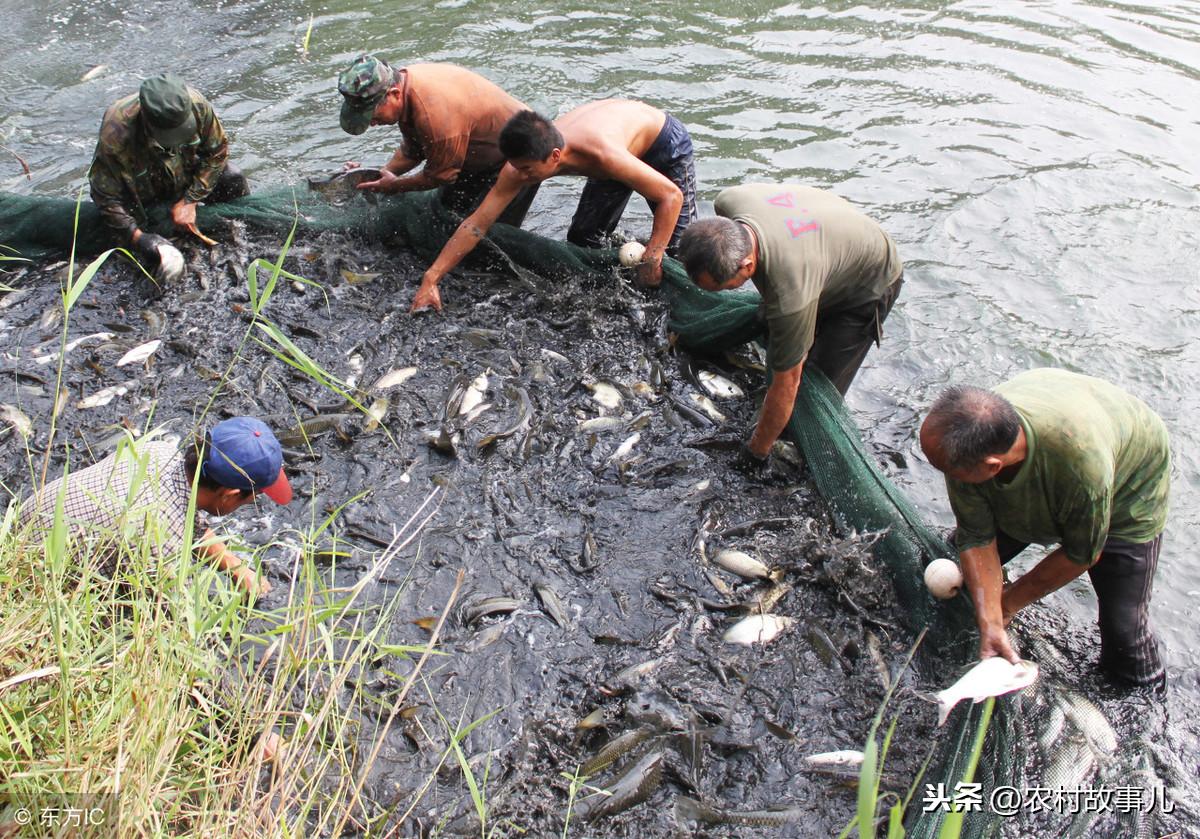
(384, 183)
(246, 578)
(183, 212)
(751, 464)
(427, 295)
(350, 164)
(649, 272)
(993, 642)
(147, 246)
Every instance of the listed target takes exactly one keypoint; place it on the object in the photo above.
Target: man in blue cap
(144, 491)
(163, 144)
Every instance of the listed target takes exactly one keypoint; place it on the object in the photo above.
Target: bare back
(596, 132)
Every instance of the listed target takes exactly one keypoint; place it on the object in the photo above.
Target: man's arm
(467, 236)
(390, 181)
(656, 188)
(107, 190)
(985, 580)
(212, 153)
(1051, 574)
(777, 409)
(214, 549)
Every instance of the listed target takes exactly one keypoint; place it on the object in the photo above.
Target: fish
(93, 73)
(96, 336)
(342, 186)
(488, 606)
(643, 389)
(991, 677)
(693, 416)
(596, 719)
(599, 425)
(719, 386)
(788, 453)
(300, 434)
(707, 406)
(170, 264)
(355, 278)
(635, 785)
(555, 356)
(552, 605)
(757, 629)
(195, 231)
(613, 750)
(16, 418)
(474, 394)
(356, 367)
(625, 448)
(50, 318)
(443, 441)
(394, 378)
(607, 395)
(103, 397)
(689, 809)
(841, 760)
(140, 353)
(629, 676)
(519, 394)
(742, 564)
(1090, 722)
(376, 413)
(154, 320)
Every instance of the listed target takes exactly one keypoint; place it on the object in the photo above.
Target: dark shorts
(1123, 579)
(603, 201)
(467, 192)
(843, 338)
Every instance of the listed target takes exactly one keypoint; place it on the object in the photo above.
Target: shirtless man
(621, 147)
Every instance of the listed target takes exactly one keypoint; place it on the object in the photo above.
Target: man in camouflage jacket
(163, 144)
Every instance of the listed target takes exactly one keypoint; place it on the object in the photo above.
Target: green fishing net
(843, 468)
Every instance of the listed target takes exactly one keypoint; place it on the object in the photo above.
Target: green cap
(167, 106)
(363, 84)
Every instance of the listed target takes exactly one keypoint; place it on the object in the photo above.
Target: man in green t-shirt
(828, 276)
(1056, 458)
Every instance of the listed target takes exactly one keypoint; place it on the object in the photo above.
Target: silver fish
(991, 677)
(474, 395)
(376, 413)
(355, 278)
(340, 187)
(757, 629)
(719, 386)
(606, 395)
(707, 406)
(93, 73)
(480, 609)
(599, 425)
(48, 359)
(15, 417)
(625, 448)
(394, 378)
(139, 353)
(170, 264)
(844, 759)
(742, 564)
(103, 397)
(552, 605)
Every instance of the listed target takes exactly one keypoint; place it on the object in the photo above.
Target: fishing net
(1041, 737)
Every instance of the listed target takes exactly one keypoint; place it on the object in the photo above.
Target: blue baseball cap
(244, 454)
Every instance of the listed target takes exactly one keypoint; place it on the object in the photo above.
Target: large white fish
(170, 264)
(625, 448)
(742, 564)
(606, 395)
(103, 397)
(140, 353)
(15, 417)
(757, 629)
(719, 386)
(991, 677)
(841, 759)
(394, 378)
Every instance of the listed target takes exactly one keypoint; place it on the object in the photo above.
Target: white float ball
(631, 253)
(943, 578)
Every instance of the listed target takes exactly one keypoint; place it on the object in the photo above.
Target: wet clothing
(603, 201)
(1097, 468)
(137, 491)
(1123, 579)
(130, 172)
(828, 275)
(470, 188)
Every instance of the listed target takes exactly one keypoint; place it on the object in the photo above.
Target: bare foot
(270, 747)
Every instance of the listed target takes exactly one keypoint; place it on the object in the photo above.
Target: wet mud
(589, 629)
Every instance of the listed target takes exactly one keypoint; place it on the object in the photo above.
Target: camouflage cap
(167, 107)
(363, 84)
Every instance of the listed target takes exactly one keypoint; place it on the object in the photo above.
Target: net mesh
(1029, 732)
